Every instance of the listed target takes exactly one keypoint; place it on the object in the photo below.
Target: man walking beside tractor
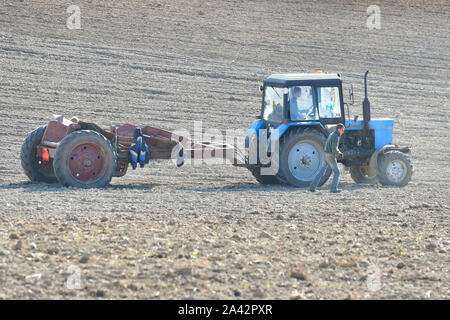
(331, 153)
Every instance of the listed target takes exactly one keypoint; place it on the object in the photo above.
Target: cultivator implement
(82, 154)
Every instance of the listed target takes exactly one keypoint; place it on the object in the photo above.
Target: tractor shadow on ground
(29, 186)
(254, 187)
(242, 187)
(55, 187)
(134, 186)
(237, 187)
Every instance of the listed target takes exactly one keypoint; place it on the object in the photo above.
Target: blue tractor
(286, 142)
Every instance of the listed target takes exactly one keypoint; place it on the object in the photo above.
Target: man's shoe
(312, 189)
(335, 190)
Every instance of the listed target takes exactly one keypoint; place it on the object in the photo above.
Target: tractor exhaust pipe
(366, 104)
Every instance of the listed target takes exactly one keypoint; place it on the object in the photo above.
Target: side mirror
(261, 88)
(351, 96)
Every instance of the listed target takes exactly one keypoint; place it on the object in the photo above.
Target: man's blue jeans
(329, 161)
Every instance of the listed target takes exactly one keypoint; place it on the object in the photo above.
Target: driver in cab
(299, 106)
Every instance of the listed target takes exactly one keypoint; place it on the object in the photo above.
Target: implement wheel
(85, 159)
(35, 167)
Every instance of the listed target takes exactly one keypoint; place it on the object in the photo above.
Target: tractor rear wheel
(301, 156)
(394, 168)
(85, 159)
(360, 174)
(35, 167)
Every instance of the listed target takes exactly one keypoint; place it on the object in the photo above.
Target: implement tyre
(36, 169)
(85, 159)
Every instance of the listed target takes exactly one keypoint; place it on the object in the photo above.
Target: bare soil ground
(211, 231)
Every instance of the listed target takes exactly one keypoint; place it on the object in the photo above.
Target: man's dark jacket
(332, 144)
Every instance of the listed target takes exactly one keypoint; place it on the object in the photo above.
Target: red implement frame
(162, 144)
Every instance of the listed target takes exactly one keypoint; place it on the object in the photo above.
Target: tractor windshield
(273, 104)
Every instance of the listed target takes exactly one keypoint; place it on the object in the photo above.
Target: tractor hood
(383, 129)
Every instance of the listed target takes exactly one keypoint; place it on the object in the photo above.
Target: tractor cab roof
(292, 79)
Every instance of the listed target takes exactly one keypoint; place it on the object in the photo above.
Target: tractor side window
(329, 102)
(273, 104)
(301, 104)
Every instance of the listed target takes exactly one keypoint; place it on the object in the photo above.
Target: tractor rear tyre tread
(286, 143)
(29, 161)
(263, 179)
(384, 161)
(61, 160)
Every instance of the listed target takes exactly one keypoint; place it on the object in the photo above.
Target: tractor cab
(307, 98)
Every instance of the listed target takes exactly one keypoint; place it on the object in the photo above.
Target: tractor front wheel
(85, 159)
(394, 168)
(35, 167)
